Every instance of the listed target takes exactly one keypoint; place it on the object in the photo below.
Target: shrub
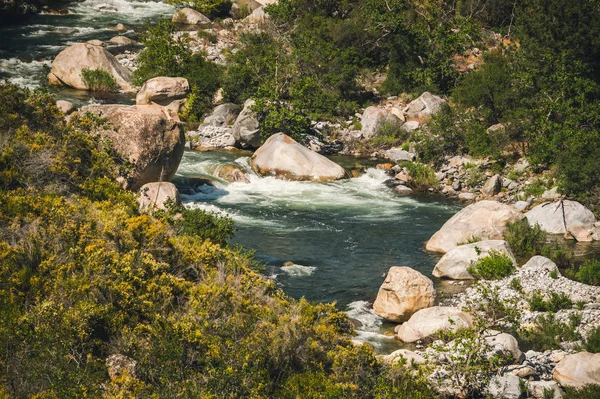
(275, 117)
(589, 272)
(547, 332)
(556, 301)
(592, 342)
(211, 8)
(208, 226)
(98, 80)
(389, 134)
(525, 240)
(422, 175)
(495, 266)
(515, 284)
(586, 392)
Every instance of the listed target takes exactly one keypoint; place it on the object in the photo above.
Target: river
(342, 237)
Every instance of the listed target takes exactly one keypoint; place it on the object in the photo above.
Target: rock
(257, 16)
(120, 28)
(231, 173)
(66, 107)
(466, 196)
(426, 322)
(162, 90)
(578, 370)
(96, 42)
(521, 165)
(580, 233)
(410, 357)
(549, 216)
(403, 292)
(283, 157)
(245, 128)
(521, 371)
(157, 195)
(373, 117)
(485, 220)
(187, 16)
(147, 136)
(551, 194)
(538, 389)
(504, 344)
(212, 137)
(521, 205)
(119, 365)
(424, 106)
(402, 190)
(223, 115)
(69, 63)
(410, 126)
(398, 155)
(492, 186)
(456, 261)
(539, 263)
(121, 41)
(505, 387)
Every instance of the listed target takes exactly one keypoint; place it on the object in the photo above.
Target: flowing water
(341, 237)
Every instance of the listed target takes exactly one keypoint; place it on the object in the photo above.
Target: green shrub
(389, 133)
(495, 266)
(210, 8)
(98, 80)
(589, 272)
(525, 240)
(208, 226)
(536, 188)
(592, 342)
(556, 301)
(275, 117)
(422, 175)
(515, 284)
(547, 332)
(587, 392)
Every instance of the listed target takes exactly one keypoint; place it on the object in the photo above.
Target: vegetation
(592, 342)
(587, 392)
(211, 8)
(548, 332)
(495, 266)
(422, 175)
(98, 80)
(555, 302)
(525, 240)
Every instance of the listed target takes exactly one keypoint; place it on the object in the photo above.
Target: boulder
(455, 263)
(157, 195)
(245, 128)
(538, 389)
(551, 195)
(145, 135)
(210, 136)
(121, 41)
(505, 387)
(484, 219)
(505, 345)
(257, 16)
(466, 196)
(402, 190)
(426, 322)
(409, 356)
(283, 157)
(398, 155)
(118, 365)
(492, 186)
(231, 173)
(578, 370)
(403, 292)
(188, 16)
(410, 126)
(66, 107)
(423, 107)
(580, 233)
(96, 42)
(69, 63)
(373, 117)
(162, 90)
(556, 217)
(223, 115)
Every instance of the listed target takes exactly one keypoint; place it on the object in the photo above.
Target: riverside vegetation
(100, 300)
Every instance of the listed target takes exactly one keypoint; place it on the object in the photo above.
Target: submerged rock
(403, 292)
(283, 157)
(426, 322)
(484, 220)
(69, 63)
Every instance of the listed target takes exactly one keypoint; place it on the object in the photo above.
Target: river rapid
(341, 237)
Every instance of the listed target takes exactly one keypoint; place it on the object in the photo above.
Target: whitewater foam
(298, 270)
(26, 74)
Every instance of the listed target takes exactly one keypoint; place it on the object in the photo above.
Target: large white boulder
(283, 157)
(403, 292)
(426, 105)
(245, 128)
(485, 220)
(157, 195)
(578, 370)
(145, 135)
(426, 322)
(373, 117)
(69, 63)
(504, 344)
(162, 90)
(188, 16)
(557, 217)
(455, 263)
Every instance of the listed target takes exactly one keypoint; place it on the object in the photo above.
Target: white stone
(426, 322)
(549, 216)
(578, 370)
(188, 16)
(157, 195)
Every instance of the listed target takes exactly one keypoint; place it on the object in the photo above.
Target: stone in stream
(455, 263)
(66, 107)
(403, 292)
(69, 63)
(484, 220)
(283, 157)
(578, 370)
(148, 136)
(162, 90)
(556, 217)
(245, 128)
(121, 41)
(426, 322)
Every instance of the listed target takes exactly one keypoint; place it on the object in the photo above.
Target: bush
(208, 226)
(389, 133)
(592, 342)
(422, 175)
(547, 332)
(525, 240)
(275, 117)
(589, 272)
(210, 8)
(556, 301)
(587, 392)
(495, 266)
(98, 80)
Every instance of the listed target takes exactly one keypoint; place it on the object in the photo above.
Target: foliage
(589, 272)
(592, 342)
(389, 134)
(210, 8)
(206, 225)
(495, 266)
(556, 301)
(548, 332)
(166, 55)
(525, 240)
(587, 392)
(98, 80)
(422, 175)
(275, 117)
